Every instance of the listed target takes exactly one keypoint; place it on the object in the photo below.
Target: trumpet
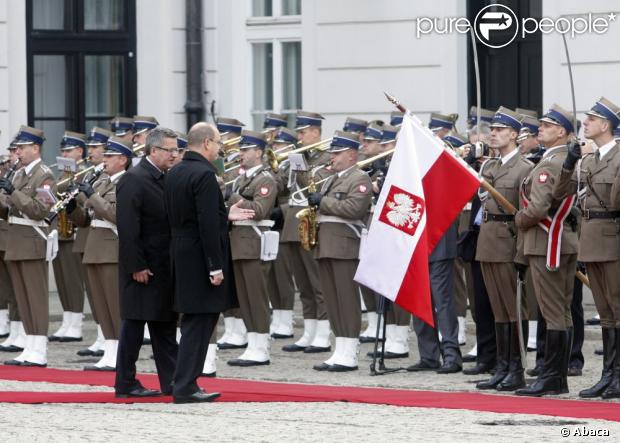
(232, 141)
(274, 159)
(299, 196)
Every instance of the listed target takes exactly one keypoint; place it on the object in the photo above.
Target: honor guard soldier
(280, 283)
(597, 179)
(497, 248)
(257, 188)
(95, 143)
(550, 245)
(68, 270)
(355, 125)
(142, 125)
(122, 127)
(235, 332)
(101, 251)
(271, 125)
(29, 243)
(15, 335)
(370, 146)
(485, 116)
(181, 146)
(305, 269)
(342, 204)
(396, 118)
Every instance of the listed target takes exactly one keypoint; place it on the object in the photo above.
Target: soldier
(181, 146)
(598, 181)
(15, 335)
(355, 125)
(101, 251)
(370, 146)
(96, 142)
(280, 283)
(271, 125)
(342, 204)
(497, 248)
(142, 125)
(257, 189)
(485, 116)
(305, 269)
(67, 265)
(27, 242)
(396, 118)
(235, 331)
(551, 251)
(122, 127)
(442, 124)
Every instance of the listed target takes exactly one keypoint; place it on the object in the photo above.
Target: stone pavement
(280, 421)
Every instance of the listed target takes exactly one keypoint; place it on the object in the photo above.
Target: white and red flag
(425, 189)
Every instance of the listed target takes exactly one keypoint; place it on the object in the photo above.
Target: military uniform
(68, 271)
(345, 199)
(497, 253)
(305, 269)
(101, 254)
(552, 257)
(257, 189)
(280, 283)
(597, 178)
(26, 247)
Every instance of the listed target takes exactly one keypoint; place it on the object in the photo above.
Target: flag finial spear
(395, 102)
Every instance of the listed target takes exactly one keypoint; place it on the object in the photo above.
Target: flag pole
(487, 186)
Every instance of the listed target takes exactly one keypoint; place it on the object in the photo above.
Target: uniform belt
(488, 217)
(96, 223)
(334, 219)
(587, 214)
(262, 223)
(26, 222)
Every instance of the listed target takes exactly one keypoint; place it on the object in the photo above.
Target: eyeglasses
(168, 150)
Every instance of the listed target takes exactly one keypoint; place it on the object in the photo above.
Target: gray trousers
(442, 293)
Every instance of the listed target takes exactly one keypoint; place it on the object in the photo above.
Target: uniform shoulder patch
(543, 177)
(363, 188)
(264, 190)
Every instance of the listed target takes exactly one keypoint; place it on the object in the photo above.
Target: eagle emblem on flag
(402, 210)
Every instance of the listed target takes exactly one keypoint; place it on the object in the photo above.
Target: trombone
(274, 159)
(232, 141)
(298, 195)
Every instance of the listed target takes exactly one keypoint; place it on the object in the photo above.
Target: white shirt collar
(116, 176)
(148, 159)
(31, 165)
(606, 148)
(252, 170)
(507, 158)
(550, 150)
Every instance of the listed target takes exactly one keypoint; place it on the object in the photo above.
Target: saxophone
(65, 228)
(308, 227)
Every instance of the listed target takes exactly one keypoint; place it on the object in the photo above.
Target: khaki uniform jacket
(349, 197)
(79, 244)
(599, 239)
(259, 193)
(538, 189)
(24, 242)
(300, 180)
(101, 243)
(497, 241)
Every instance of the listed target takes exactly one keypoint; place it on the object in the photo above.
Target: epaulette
(527, 161)
(46, 168)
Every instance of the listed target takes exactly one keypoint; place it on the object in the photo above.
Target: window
(291, 7)
(274, 8)
(81, 65)
(277, 79)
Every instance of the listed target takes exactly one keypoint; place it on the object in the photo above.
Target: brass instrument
(232, 141)
(298, 195)
(275, 159)
(308, 227)
(8, 175)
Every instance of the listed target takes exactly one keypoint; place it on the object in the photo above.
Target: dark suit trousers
(442, 292)
(484, 319)
(163, 341)
(196, 330)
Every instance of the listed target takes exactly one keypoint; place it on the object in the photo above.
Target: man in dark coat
(145, 283)
(204, 283)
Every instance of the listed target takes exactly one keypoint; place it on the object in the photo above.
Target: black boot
(550, 381)
(515, 379)
(568, 345)
(502, 339)
(613, 390)
(609, 352)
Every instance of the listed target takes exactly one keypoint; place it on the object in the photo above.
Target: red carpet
(234, 390)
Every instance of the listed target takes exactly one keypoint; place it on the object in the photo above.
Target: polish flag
(425, 189)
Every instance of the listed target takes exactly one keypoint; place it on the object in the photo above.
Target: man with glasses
(145, 285)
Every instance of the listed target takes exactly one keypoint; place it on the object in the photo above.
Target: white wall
(13, 84)
(595, 58)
